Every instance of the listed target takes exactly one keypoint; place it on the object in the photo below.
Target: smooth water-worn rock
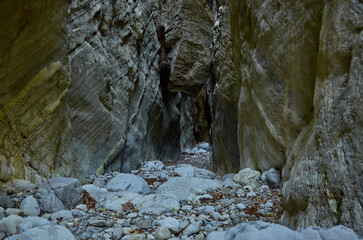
(170, 223)
(128, 183)
(186, 188)
(261, 230)
(162, 233)
(51, 232)
(9, 224)
(62, 215)
(30, 206)
(247, 177)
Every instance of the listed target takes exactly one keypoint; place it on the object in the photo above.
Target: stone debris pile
(178, 201)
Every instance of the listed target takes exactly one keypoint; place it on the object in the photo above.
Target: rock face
(290, 87)
(92, 86)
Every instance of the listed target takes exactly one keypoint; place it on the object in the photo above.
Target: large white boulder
(187, 188)
(128, 183)
(247, 177)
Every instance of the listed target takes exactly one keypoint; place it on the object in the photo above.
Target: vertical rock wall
(297, 71)
(91, 86)
(34, 81)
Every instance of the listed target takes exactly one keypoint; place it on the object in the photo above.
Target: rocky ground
(157, 201)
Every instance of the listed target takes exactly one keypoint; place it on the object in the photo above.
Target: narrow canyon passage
(223, 118)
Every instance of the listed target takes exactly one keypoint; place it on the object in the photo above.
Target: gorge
(92, 87)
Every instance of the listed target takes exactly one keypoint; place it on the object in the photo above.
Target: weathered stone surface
(96, 97)
(186, 188)
(48, 201)
(247, 177)
(34, 82)
(30, 206)
(293, 103)
(52, 232)
(128, 183)
(68, 190)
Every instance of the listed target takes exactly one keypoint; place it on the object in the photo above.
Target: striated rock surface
(93, 86)
(293, 103)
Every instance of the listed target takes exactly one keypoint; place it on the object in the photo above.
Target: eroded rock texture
(92, 86)
(292, 96)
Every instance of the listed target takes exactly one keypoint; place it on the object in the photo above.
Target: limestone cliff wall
(92, 86)
(293, 98)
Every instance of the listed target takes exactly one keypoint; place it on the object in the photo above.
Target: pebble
(192, 228)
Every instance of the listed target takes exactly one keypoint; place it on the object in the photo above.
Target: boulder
(21, 185)
(128, 183)
(334, 233)
(9, 224)
(68, 190)
(30, 206)
(170, 223)
(48, 201)
(272, 178)
(162, 233)
(6, 201)
(50, 232)
(62, 215)
(247, 177)
(186, 188)
(261, 230)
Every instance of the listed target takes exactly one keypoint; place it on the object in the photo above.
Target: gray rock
(37, 221)
(128, 183)
(25, 226)
(203, 173)
(68, 190)
(228, 176)
(10, 224)
(21, 185)
(170, 223)
(183, 225)
(216, 236)
(14, 211)
(145, 223)
(99, 182)
(241, 206)
(261, 230)
(205, 210)
(272, 178)
(6, 201)
(185, 170)
(48, 201)
(50, 232)
(247, 177)
(152, 166)
(99, 194)
(200, 236)
(96, 222)
(117, 233)
(30, 206)
(334, 233)
(192, 228)
(162, 233)
(159, 204)
(186, 188)
(62, 215)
